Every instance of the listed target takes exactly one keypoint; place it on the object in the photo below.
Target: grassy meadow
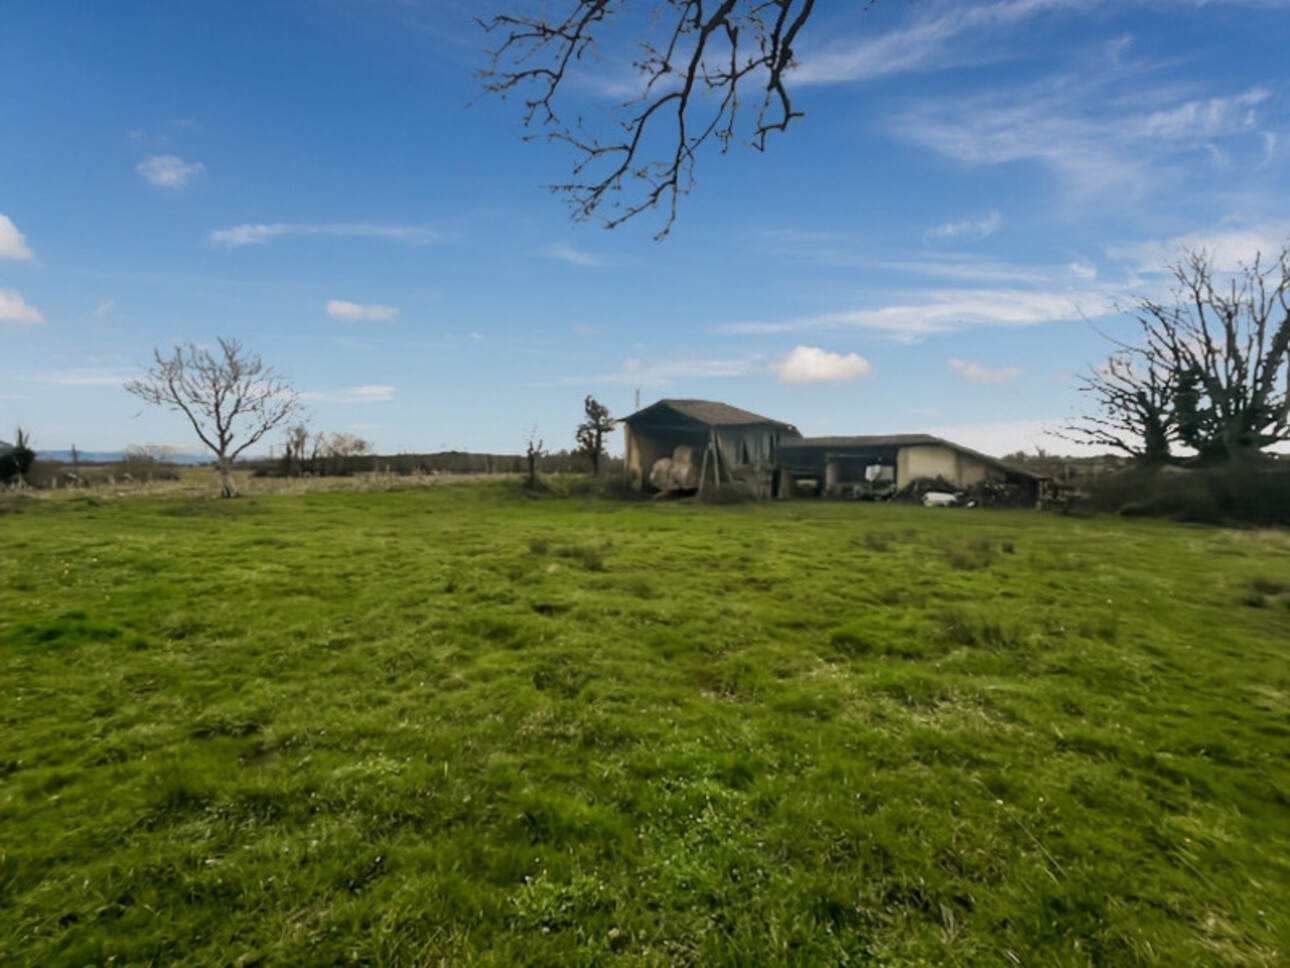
(461, 726)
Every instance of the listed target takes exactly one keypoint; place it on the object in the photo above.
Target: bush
(1223, 494)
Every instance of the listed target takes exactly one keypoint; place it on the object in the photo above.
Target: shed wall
(913, 463)
(930, 461)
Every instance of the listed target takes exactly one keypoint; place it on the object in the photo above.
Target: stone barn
(858, 465)
(687, 445)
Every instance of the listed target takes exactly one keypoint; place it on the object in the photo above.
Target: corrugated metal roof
(887, 440)
(709, 412)
(898, 440)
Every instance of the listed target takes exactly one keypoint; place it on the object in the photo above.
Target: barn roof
(873, 440)
(709, 412)
(897, 440)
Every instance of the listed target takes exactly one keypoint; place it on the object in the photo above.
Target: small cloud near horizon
(169, 171)
(979, 373)
(350, 312)
(810, 364)
(367, 393)
(974, 230)
(260, 234)
(576, 257)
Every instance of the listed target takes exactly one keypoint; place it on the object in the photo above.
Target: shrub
(1222, 494)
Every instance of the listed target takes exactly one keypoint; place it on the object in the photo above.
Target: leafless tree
(534, 451)
(229, 396)
(1133, 411)
(339, 451)
(295, 462)
(590, 434)
(699, 57)
(1211, 371)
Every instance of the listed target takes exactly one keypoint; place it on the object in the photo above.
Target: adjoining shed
(684, 445)
(857, 465)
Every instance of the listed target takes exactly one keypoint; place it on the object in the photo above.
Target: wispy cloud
(13, 309)
(103, 308)
(980, 373)
(89, 377)
(1088, 135)
(13, 244)
(658, 373)
(169, 171)
(367, 393)
(810, 364)
(972, 229)
(943, 311)
(948, 35)
(349, 312)
(258, 234)
(1229, 247)
(576, 257)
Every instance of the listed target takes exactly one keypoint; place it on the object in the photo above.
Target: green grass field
(459, 726)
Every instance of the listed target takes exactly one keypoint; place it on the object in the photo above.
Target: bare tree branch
(690, 87)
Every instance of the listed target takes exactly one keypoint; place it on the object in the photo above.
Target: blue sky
(932, 248)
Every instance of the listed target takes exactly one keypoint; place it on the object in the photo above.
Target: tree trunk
(226, 488)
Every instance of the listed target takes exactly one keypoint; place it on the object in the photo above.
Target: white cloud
(951, 35)
(576, 257)
(13, 244)
(979, 373)
(979, 229)
(946, 311)
(14, 310)
(88, 377)
(257, 234)
(350, 312)
(810, 364)
(643, 373)
(168, 171)
(367, 393)
(1092, 138)
(1084, 270)
(103, 308)
(1206, 118)
(1228, 247)
(370, 393)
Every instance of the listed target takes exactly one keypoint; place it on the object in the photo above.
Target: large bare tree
(696, 60)
(1210, 370)
(230, 397)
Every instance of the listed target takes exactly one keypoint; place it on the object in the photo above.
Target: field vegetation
(460, 725)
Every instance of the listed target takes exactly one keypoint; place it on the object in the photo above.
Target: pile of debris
(938, 492)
